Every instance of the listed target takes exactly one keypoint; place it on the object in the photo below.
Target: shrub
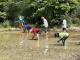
(5, 24)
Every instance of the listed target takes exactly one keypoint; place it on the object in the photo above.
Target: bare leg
(34, 34)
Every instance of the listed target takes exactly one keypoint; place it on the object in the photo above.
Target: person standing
(21, 21)
(45, 23)
(64, 25)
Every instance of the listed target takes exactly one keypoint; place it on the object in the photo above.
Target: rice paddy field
(15, 45)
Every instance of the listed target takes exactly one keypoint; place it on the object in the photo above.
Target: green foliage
(69, 20)
(3, 15)
(5, 24)
(3, 0)
(12, 11)
(32, 9)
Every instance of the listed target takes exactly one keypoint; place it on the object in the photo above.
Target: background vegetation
(53, 10)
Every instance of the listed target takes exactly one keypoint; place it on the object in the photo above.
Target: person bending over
(62, 36)
(27, 28)
(35, 32)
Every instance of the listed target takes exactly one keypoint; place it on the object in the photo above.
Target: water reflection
(18, 46)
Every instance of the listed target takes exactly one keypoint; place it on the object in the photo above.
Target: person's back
(21, 19)
(64, 25)
(45, 22)
(35, 31)
(63, 34)
(27, 27)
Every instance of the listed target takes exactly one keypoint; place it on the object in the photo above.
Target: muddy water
(15, 45)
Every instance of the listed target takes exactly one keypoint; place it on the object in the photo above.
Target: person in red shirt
(35, 31)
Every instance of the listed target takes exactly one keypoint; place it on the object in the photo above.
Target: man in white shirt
(64, 24)
(45, 23)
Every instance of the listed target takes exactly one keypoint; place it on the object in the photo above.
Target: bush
(69, 20)
(5, 24)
